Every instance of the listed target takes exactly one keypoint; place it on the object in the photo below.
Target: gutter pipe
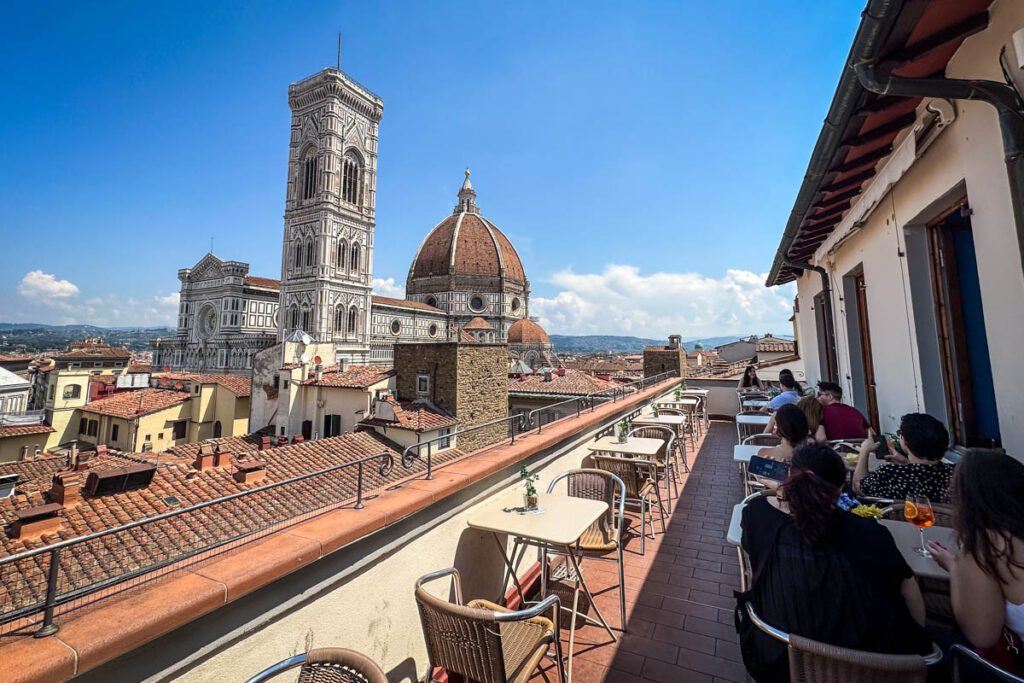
(830, 326)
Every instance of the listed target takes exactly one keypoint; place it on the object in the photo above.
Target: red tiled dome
(526, 331)
(467, 244)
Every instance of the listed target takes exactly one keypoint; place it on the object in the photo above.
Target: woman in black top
(750, 381)
(823, 573)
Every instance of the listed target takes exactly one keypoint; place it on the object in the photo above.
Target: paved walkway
(679, 603)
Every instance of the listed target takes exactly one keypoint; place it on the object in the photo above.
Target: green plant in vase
(656, 410)
(678, 394)
(623, 430)
(530, 495)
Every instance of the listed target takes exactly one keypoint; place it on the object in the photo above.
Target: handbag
(1007, 653)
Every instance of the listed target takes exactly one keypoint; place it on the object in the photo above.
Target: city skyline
(590, 273)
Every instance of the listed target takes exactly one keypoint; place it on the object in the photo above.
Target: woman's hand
(869, 445)
(770, 484)
(942, 555)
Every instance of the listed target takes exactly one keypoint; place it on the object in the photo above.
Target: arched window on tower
(307, 319)
(351, 178)
(310, 173)
(342, 253)
(339, 320)
(354, 261)
(310, 254)
(353, 321)
(293, 317)
(298, 255)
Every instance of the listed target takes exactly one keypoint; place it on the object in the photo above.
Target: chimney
(319, 372)
(31, 523)
(66, 489)
(265, 443)
(250, 474)
(282, 440)
(547, 376)
(101, 449)
(561, 372)
(73, 457)
(206, 458)
(298, 438)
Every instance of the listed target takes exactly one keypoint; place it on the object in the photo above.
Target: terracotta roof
(25, 430)
(35, 468)
(526, 331)
(103, 379)
(776, 345)
(572, 383)
(228, 444)
(15, 357)
(477, 323)
(404, 303)
(129, 404)
(418, 416)
(239, 385)
(466, 337)
(136, 366)
(268, 283)
(95, 353)
(476, 248)
(352, 377)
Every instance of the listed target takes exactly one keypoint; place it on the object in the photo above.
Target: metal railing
(82, 566)
(24, 417)
(523, 422)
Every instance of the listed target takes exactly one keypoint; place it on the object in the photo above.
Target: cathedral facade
(465, 283)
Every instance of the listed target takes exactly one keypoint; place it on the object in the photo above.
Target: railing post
(540, 422)
(514, 421)
(578, 406)
(49, 628)
(430, 459)
(359, 485)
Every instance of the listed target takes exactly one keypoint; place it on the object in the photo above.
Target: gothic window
(351, 178)
(354, 261)
(310, 254)
(310, 170)
(298, 255)
(339, 320)
(342, 251)
(293, 317)
(353, 316)
(307, 319)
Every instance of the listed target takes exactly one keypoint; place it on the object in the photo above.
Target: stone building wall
(664, 359)
(468, 380)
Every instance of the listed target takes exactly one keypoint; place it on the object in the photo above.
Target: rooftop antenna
(211, 244)
(339, 50)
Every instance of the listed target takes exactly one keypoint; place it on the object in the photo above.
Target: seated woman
(987, 578)
(750, 381)
(925, 440)
(812, 411)
(791, 428)
(824, 573)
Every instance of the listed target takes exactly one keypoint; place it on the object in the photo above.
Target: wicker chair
(762, 439)
(814, 662)
(680, 435)
(690, 405)
(640, 479)
(668, 467)
(604, 537)
(484, 642)
(988, 672)
(327, 665)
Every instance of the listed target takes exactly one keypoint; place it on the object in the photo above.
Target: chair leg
(643, 525)
(622, 589)
(661, 508)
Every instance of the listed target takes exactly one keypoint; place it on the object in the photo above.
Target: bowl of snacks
(872, 511)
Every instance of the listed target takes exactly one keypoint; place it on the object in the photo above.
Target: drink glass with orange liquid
(918, 511)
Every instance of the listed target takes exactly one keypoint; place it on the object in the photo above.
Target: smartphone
(767, 468)
(883, 448)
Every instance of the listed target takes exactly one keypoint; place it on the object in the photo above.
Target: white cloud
(46, 287)
(622, 300)
(387, 287)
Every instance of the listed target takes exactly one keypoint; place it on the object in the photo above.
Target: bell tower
(327, 250)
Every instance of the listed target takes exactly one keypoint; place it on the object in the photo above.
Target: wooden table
(634, 446)
(907, 538)
(558, 527)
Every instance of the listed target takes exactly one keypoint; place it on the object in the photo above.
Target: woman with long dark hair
(750, 381)
(987, 579)
(791, 428)
(824, 573)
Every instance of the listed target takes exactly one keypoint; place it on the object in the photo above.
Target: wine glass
(918, 511)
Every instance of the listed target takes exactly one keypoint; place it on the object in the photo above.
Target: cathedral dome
(466, 243)
(526, 331)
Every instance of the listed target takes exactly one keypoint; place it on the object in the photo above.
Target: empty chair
(603, 540)
(813, 662)
(691, 405)
(483, 641)
(680, 435)
(640, 479)
(327, 665)
(668, 468)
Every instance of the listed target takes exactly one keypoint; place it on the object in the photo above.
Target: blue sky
(643, 157)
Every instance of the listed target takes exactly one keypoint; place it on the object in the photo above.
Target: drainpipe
(1003, 97)
(830, 326)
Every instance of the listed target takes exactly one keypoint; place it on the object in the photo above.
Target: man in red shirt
(840, 420)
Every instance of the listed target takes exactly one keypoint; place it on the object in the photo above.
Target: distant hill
(34, 337)
(604, 343)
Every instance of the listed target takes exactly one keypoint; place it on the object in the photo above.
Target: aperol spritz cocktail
(918, 511)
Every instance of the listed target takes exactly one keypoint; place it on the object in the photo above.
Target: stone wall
(468, 380)
(664, 359)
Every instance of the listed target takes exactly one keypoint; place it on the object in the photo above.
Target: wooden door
(865, 348)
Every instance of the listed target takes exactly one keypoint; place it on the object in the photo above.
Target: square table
(754, 403)
(634, 446)
(907, 538)
(747, 425)
(559, 527)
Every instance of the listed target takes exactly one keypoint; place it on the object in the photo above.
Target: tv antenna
(339, 50)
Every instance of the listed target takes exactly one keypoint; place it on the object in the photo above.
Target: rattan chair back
(327, 665)
(463, 640)
(594, 484)
(814, 662)
(635, 474)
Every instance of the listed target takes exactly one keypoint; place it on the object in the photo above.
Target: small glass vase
(530, 502)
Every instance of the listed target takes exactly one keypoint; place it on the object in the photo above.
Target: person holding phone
(925, 440)
(858, 590)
